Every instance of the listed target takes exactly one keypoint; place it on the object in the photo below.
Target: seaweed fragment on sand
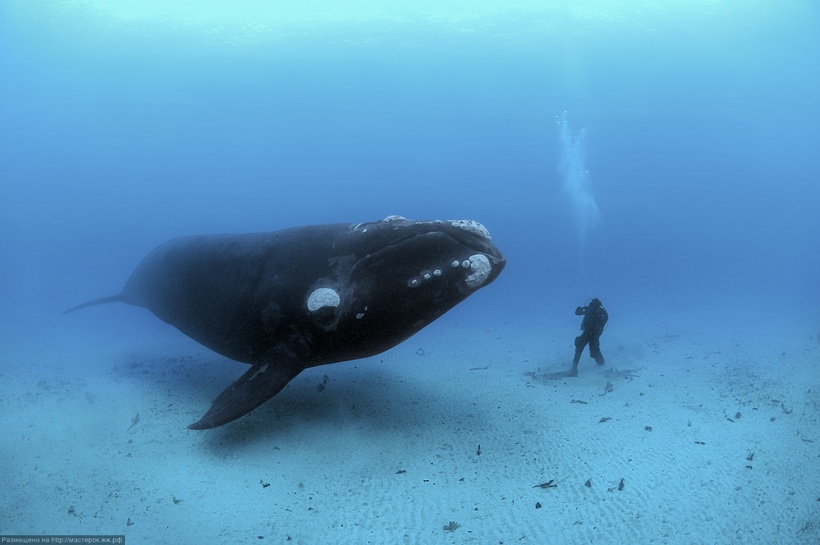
(451, 526)
(134, 421)
(552, 483)
(619, 487)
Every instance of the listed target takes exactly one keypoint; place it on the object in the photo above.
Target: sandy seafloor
(713, 433)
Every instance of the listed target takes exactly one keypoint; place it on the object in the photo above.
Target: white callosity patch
(323, 298)
(471, 226)
(481, 268)
(363, 226)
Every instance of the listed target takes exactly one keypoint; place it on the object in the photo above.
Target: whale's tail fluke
(101, 301)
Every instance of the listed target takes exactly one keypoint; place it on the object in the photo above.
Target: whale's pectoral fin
(100, 301)
(260, 383)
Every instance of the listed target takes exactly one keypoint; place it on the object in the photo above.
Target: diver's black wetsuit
(595, 317)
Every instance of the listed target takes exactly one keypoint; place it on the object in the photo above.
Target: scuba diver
(595, 317)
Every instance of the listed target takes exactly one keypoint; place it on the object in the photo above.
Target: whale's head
(401, 275)
(461, 252)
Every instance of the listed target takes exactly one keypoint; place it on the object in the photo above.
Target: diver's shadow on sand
(607, 371)
(555, 375)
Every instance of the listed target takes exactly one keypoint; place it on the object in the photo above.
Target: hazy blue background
(123, 124)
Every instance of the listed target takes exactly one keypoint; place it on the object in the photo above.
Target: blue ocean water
(699, 124)
(661, 156)
(693, 135)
